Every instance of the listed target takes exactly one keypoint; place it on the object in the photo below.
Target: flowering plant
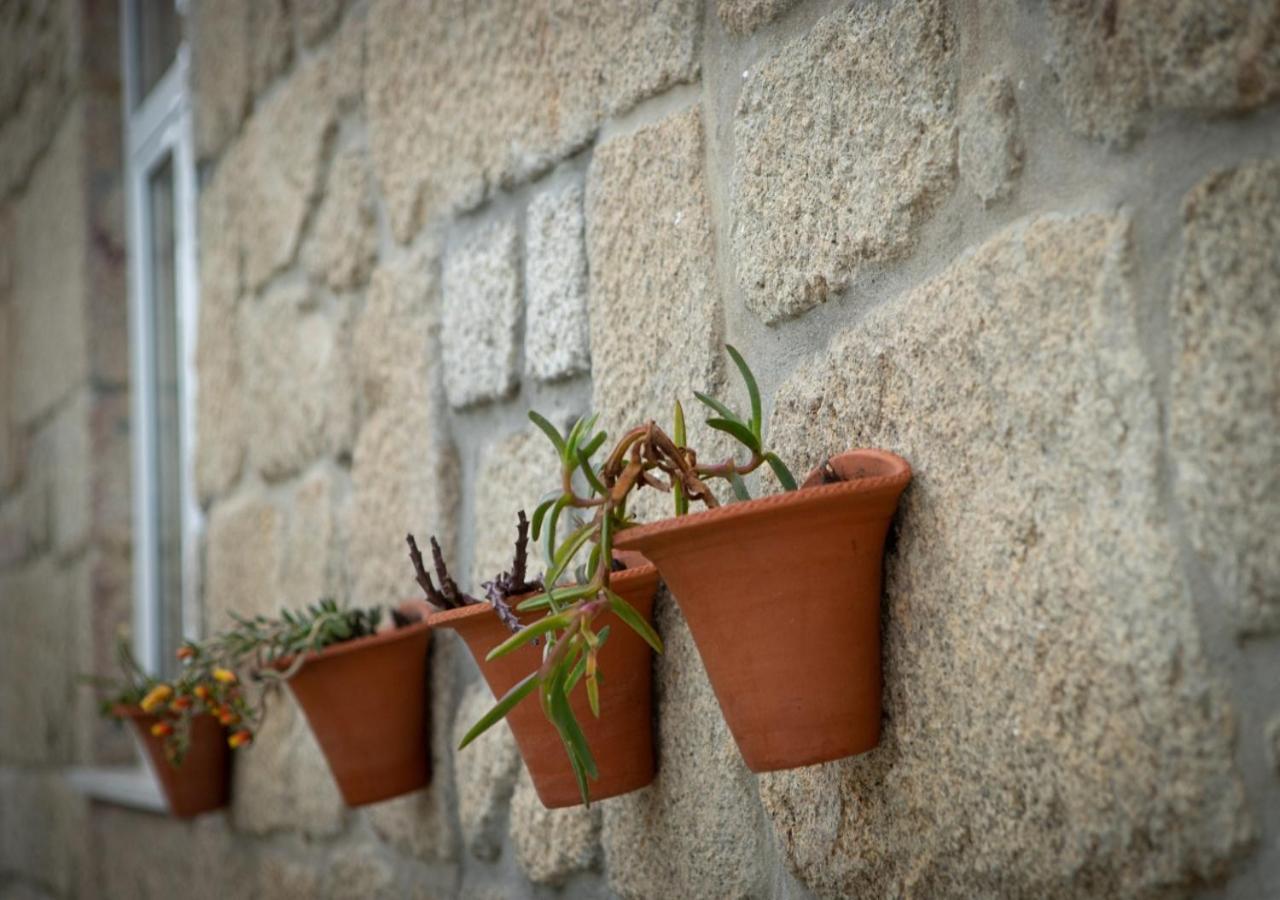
(229, 674)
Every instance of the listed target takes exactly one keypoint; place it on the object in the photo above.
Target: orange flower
(239, 739)
(202, 691)
(162, 729)
(227, 717)
(186, 651)
(158, 695)
(180, 703)
(226, 676)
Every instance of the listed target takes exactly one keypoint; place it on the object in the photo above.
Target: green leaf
(594, 444)
(562, 595)
(549, 533)
(538, 513)
(753, 390)
(572, 732)
(720, 408)
(739, 486)
(528, 633)
(779, 468)
(549, 430)
(584, 462)
(593, 696)
(679, 427)
(736, 429)
(517, 693)
(627, 613)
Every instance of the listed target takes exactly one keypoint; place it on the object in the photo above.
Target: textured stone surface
(62, 460)
(40, 647)
(485, 772)
(284, 877)
(515, 473)
(654, 308)
(697, 830)
(281, 781)
(244, 551)
(221, 73)
(315, 17)
(552, 844)
(844, 144)
(299, 395)
(398, 331)
(362, 873)
(1051, 729)
(49, 285)
(42, 823)
(270, 41)
(315, 560)
(1119, 62)
(482, 314)
(1225, 412)
(404, 476)
(220, 407)
(745, 16)
(545, 74)
(10, 450)
(1273, 744)
(556, 336)
(278, 164)
(139, 854)
(41, 54)
(342, 245)
(422, 825)
(990, 142)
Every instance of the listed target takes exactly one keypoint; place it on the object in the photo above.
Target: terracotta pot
(782, 597)
(366, 702)
(621, 740)
(202, 782)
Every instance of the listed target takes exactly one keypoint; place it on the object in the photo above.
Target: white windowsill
(131, 786)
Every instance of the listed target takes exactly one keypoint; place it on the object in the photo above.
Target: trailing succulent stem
(645, 456)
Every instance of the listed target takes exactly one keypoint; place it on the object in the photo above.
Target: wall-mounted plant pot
(366, 702)
(621, 740)
(782, 597)
(202, 783)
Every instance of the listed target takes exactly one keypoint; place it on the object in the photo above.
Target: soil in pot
(202, 782)
(782, 597)
(621, 740)
(366, 702)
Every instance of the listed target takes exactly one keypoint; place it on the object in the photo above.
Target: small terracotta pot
(366, 702)
(202, 782)
(621, 740)
(782, 597)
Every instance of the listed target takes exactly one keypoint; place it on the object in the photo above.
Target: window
(160, 192)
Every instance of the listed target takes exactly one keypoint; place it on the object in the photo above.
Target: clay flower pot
(621, 740)
(782, 597)
(202, 782)
(366, 702)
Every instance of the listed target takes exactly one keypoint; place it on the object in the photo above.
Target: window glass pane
(167, 435)
(156, 37)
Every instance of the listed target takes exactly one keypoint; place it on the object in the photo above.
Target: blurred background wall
(1032, 247)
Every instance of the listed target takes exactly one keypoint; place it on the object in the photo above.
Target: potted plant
(180, 727)
(362, 690)
(781, 593)
(617, 726)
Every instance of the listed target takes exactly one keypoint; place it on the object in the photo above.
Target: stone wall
(1029, 246)
(64, 427)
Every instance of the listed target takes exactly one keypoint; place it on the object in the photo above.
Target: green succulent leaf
(562, 595)
(753, 390)
(528, 633)
(538, 513)
(737, 430)
(508, 702)
(628, 614)
(785, 478)
(718, 407)
(584, 463)
(549, 430)
(739, 486)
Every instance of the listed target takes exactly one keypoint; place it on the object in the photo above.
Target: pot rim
(447, 617)
(748, 509)
(368, 642)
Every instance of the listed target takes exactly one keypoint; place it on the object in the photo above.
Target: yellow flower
(226, 676)
(158, 695)
(239, 739)
(162, 729)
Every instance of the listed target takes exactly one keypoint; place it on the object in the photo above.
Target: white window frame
(155, 129)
